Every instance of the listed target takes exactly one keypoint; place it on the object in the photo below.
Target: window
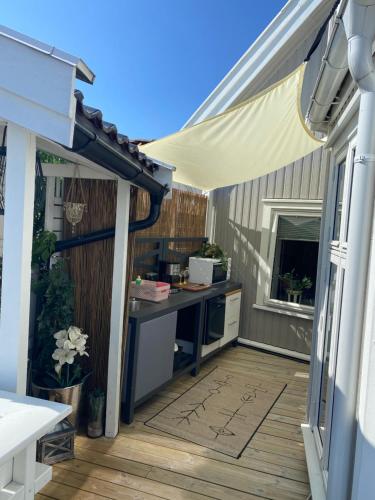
(289, 256)
(322, 411)
(339, 197)
(296, 259)
(342, 194)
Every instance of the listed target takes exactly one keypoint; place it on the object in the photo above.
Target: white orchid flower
(76, 340)
(69, 343)
(61, 334)
(64, 356)
(61, 337)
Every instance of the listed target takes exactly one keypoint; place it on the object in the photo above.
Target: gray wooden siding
(237, 228)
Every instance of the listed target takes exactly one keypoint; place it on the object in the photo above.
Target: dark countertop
(150, 310)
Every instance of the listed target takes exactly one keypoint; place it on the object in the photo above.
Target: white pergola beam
(69, 170)
(117, 309)
(17, 248)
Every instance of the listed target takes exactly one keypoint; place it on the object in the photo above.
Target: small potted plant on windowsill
(295, 286)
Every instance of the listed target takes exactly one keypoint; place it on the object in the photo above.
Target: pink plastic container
(155, 291)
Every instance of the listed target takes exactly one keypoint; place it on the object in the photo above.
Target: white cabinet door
(232, 317)
(206, 349)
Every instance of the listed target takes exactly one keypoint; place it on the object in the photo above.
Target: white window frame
(272, 210)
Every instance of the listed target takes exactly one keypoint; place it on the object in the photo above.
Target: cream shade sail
(247, 141)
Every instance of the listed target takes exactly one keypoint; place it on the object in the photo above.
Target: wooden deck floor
(142, 463)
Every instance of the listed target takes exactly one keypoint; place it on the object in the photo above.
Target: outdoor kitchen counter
(151, 361)
(150, 310)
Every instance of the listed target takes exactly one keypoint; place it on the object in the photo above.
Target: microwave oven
(207, 271)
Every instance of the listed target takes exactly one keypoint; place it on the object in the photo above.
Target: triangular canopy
(252, 139)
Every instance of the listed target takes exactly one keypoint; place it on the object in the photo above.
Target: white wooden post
(17, 247)
(117, 309)
(24, 470)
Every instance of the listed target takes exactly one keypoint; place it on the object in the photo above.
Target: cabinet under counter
(151, 361)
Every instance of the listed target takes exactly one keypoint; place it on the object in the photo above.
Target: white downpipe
(359, 22)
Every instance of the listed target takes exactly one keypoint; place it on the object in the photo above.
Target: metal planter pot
(66, 395)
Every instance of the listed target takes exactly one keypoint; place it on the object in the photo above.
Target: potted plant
(65, 382)
(295, 285)
(96, 413)
(214, 251)
(57, 372)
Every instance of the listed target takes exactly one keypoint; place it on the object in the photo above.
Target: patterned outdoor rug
(222, 411)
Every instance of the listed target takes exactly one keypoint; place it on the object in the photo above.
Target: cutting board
(191, 287)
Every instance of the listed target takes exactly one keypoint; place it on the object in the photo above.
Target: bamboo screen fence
(91, 265)
(184, 215)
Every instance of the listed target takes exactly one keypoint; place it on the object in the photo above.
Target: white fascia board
(164, 175)
(296, 19)
(37, 89)
(84, 72)
(70, 170)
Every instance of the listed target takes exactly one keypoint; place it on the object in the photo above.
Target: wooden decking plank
(224, 474)
(98, 487)
(274, 415)
(61, 491)
(137, 433)
(144, 463)
(184, 482)
(121, 478)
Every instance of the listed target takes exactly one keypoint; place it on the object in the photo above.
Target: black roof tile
(95, 116)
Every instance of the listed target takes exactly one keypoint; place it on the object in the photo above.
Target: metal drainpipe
(359, 23)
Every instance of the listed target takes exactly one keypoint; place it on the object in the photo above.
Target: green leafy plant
(54, 290)
(43, 247)
(214, 251)
(50, 158)
(293, 282)
(96, 402)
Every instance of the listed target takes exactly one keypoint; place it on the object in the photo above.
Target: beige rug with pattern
(221, 412)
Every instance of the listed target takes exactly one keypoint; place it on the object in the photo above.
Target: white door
(330, 304)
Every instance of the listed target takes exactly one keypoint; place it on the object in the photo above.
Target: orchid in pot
(68, 374)
(58, 347)
(70, 343)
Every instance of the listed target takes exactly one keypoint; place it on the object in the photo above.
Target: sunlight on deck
(143, 463)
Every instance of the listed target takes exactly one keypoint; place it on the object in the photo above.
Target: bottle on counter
(138, 280)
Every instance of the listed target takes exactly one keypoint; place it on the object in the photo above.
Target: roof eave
(332, 73)
(289, 21)
(83, 72)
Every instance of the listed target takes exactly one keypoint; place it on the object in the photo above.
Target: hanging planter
(74, 209)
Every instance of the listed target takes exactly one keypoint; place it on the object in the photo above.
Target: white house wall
(238, 212)
(237, 228)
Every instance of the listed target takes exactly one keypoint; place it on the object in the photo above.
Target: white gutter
(332, 73)
(359, 22)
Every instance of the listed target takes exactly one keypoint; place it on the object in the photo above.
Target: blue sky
(155, 61)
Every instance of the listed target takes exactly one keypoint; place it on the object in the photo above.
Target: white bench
(24, 420)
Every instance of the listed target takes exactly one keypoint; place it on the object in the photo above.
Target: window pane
(339, 199)
(296, 259)
(322, 416)
(349, 196)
